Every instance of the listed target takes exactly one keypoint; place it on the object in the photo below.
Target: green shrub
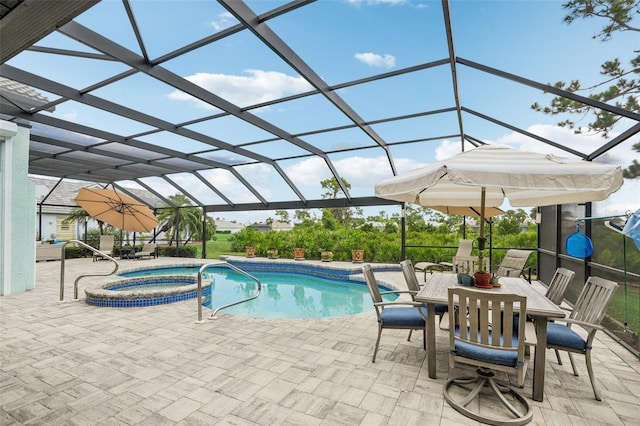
(74, 252)
(181, 251)
(247, 236)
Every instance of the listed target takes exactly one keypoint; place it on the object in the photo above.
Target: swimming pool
(288, 290)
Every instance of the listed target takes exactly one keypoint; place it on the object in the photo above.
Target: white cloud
(225, 20)
(626, 199)
(447, 149)
(258, 175)
(583, 143)
(360, 172)
(376, 2)
(229, 185)
(243, 90)
(375, 60)
(71, 115)
(309, 171)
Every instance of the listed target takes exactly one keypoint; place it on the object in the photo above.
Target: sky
(344, 41)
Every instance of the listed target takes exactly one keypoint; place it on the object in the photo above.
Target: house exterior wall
(49, 226)
(17, 217)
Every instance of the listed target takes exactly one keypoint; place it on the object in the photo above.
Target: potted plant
(274, 240)
(356, 241)
(464, 277)
(298, 246)
(326, 255)
(494, 281)
(298, 253)
(482, 277)
(326, 240)
(250, 250)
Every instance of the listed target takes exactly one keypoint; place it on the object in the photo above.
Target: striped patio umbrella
(488, 175)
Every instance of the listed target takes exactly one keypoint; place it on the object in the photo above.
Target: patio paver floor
(68, 363)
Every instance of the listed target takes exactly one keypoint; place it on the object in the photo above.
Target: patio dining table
(539, 308)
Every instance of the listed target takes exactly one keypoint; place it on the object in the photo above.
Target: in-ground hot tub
(145, 291)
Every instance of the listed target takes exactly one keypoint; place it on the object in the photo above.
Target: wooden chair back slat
(593, 301)
(486, 319)
(558, 285)
(371, 283)
(409, 273)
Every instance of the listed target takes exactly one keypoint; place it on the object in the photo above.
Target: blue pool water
(284, 294)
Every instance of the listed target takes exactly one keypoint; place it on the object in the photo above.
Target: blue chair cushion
(441, 309)
(563, 336)
(403, 317)
(494, 356)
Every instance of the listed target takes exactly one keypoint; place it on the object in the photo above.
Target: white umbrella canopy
(487, 175)
(525, 178)
(468, 211)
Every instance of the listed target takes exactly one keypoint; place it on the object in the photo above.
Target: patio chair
(414, 287)
(465, 247)
(484, 333)
(558, 285)
(407, 315)
(148, 250)
(555, 292)
(106, 247)
(513, 263)
(588, 312)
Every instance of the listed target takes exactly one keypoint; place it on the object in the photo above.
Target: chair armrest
(399, 292)
(444, 321)
(530, 337)
(586, 325)
(385, 304)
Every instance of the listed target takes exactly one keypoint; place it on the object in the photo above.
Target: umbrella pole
(481, 238)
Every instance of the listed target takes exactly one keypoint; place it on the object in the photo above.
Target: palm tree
(183, 220)
(81, 215)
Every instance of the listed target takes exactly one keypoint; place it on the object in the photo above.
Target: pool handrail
(75, 283)
(218, 309)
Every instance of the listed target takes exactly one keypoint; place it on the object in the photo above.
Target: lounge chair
(148, 250)
(513, 263)
(464, 252)
(468, 264)
(465, 247)
(106, 247)
(427, 267)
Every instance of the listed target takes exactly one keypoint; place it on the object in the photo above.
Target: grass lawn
(626, 308)
(216, 248)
